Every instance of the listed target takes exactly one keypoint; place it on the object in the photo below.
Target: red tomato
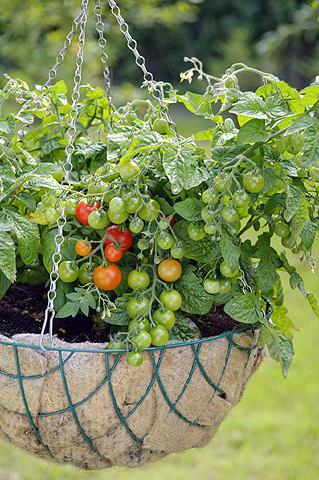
(122, 239)
(112, 253)
(107, 278)
(83, 210)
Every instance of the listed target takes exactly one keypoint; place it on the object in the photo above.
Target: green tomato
(287, 242)
(171, 299)
(282, 229)
(118, 217)
(211, 285)
(178, 250)
(58, 175)
(132, 203)
(117, 204)
(70, 207)
(160, 336)
(97, 187)
(135, 359)
(164, 240)
(227, 271)
(253, 182)
(86, 273)
(208, 214)
(142, 340)
(224, 286)
(36, 275)
(149, 211)
(137, 326)
(210, 197)
(136, 225)
(166, 318)
(241, 199)
(314, 173)
(210, 228)
(128, 169)
(143, 244)
(196, 232)
(116, 345)
(161, 126)
(98, 219)
(230, 214)
(137, 307)
(222, 183)
(68, 271)
(138, 280)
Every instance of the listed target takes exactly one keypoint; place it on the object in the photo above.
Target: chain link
(99, 26)
(154, 88)
(67, 167)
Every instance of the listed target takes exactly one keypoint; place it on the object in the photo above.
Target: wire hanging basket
(82, 404)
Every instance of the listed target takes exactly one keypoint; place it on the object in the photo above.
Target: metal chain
(156, 91)
(52, 72)
(99, 26)
(67, 167)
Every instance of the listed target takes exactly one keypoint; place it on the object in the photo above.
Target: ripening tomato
(107, 278)
(68, 271)
(83, 248)
(169, 270)
(112, 253)
(121, 238)
(83, 211)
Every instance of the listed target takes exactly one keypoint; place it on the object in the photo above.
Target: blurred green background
(274, 433)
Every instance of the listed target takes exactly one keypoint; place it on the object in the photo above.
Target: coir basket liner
(82, 405)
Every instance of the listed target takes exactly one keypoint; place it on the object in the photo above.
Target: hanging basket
(84, 405)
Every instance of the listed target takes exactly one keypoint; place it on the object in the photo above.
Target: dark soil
(22, 311)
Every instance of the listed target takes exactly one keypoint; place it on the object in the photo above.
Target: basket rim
(177, 344)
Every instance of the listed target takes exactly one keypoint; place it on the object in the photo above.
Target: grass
(273, 434)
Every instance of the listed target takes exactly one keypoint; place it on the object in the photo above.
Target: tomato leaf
(28, 236)
(8, 256)
(195, 299)
(293, 201)
(4, 285)
(229, 250)
(252, 131)
(245, 308)
(189, 209)
(183, 170)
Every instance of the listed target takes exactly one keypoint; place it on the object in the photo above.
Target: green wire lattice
(194, 345)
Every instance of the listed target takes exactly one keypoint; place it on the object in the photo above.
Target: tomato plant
(158, 228)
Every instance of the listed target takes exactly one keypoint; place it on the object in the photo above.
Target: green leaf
(308, 234)
(302, 123)
(198, 104)
(281, 349)
(195, 299)
(313, 303)
(4, 285)
(250, 105)
(119, 315)
(7, 256)
(8, 126)
(293, 201)
(299, 220)
(245, 308)
(28, 237)
(252, 132)
(189, 209)
(269, 262)
(70, 309)
(229, 250)
(183, 170)
(311, 145)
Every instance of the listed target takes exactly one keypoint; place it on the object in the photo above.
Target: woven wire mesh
(64, 355)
